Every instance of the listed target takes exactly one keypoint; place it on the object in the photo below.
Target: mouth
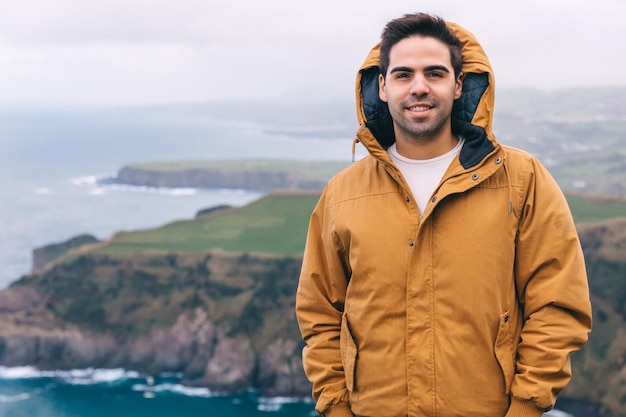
(419, 107)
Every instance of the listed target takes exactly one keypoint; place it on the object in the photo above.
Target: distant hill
(262, 175)
(580, 135)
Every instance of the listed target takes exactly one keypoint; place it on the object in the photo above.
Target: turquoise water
(25, 392)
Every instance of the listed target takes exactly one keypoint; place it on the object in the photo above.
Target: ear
(381, 88)
(458, 86)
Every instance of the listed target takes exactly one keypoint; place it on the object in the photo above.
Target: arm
(552, 290)
(319, 308)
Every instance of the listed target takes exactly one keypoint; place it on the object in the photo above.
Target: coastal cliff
(223, 321)
(262, 175)
(212, 298)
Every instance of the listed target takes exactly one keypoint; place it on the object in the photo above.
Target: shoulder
(516, 155)
(366, 177)
(354, 174)
(523, 165)
(537, 186)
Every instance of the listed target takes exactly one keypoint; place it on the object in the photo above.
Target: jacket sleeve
(553, 292)
(319, 308)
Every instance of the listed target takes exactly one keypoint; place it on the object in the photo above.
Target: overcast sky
(76, 52)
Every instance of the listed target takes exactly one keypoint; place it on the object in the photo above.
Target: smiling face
(420, 89)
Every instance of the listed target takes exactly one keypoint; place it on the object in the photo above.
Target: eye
(401, 75)
(435, 74)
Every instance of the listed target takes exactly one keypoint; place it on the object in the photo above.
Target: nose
(419, 86)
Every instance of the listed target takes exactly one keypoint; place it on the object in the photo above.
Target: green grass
(313, 169)
(276, 224)
(593, 210)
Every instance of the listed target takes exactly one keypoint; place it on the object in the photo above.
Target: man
(442, 274)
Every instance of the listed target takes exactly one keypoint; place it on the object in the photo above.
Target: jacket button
(498, 160)
(433, 199)
(475, 176)
(408, 199)
(411, 243)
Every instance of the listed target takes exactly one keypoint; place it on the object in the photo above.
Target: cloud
(157, 51)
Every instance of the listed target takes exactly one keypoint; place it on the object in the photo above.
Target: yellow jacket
(469, 310)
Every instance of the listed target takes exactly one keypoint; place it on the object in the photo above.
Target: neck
(422, 148)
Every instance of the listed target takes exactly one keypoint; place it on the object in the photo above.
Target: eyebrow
(429, 68)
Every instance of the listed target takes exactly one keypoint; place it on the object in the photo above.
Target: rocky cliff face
(224, 321)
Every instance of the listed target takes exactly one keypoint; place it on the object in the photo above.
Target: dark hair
(419, 24)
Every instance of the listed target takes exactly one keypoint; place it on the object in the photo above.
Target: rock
(44, 255)
(223, 321)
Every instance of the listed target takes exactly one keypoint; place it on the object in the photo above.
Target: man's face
(420, 88)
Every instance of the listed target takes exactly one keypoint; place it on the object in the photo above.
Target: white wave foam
(14, 398)
(557, 413)
(176, 389)
(73, 376)
(19, 372)
(94, 183)
(179, 191)
(273, 404)
(86, 181)
(96, 376)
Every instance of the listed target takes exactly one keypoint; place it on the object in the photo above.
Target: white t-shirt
(424, 175)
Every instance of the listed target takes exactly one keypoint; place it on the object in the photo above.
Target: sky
(145, 52)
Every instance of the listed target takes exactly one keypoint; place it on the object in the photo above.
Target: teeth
(419, 108)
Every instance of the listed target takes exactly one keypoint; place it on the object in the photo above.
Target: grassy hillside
(275, 224)
(593, 210)
(313, 169)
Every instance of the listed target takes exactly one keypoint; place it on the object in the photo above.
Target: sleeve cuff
(339, 410)
(523, 408)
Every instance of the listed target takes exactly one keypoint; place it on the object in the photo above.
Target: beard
(420, 129)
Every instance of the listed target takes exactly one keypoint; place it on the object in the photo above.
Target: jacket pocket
(504, 351)
(348, 354)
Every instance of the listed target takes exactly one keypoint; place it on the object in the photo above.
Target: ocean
(50, 161)
(27, 392)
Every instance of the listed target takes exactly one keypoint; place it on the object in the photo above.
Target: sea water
(50, 162)
(26, 392)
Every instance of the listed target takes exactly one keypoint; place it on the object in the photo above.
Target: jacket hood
(471, 115)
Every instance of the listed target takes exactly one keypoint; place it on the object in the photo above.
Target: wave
(88, 180)
(149, 386)
(14, 398)
(557, 413)
(273, 404)
(74, 376)
(176, 389)
(98, 186)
